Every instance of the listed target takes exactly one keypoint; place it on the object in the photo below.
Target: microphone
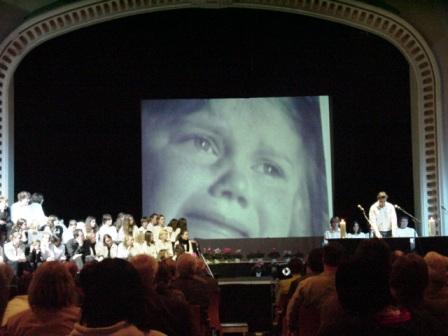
(397, 207)
(360, 207)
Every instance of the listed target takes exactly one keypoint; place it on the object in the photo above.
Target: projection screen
(239, 167)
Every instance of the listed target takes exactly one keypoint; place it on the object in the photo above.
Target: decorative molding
(380, 22)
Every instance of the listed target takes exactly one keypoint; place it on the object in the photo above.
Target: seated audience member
(126, 248)
(314, 291)
(6, 277)
(128, 227)
(174, 229)
(56, 250)
(356, 232)
(79, 249)
(152, 221)
(139, 243)
(436, 295)
(364, 302)
(296, 267)
(178, 250)
(149, 247)
(107, 248)
(404, 230)
(68, 233)
(144, 223)
(154, 225)
(14, 251)
(163, 243)
(333, 232)
(18, 295)
(408, 282)
(5, 220)
(194, 288)
(113, 300)
(36, 211)
(20, 209)
(52, 301)
(34, 257)
(368, 275)
(21, 227)
(188, 246)
(53, 227)
(107, 227)
(314, 266)
(167, 314)
(164, 280)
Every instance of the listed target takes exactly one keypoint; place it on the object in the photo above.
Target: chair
(213, 312)
(196, 324)
(309, 321)
(214, 321)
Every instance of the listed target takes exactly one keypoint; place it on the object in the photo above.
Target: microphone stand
(209, 271)
(367, 219)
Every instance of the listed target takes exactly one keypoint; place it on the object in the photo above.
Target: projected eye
(203, 144)
(269, 169)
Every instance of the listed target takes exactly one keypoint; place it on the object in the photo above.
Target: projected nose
(232, 185)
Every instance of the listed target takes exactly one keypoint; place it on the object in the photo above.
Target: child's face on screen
(233, 168)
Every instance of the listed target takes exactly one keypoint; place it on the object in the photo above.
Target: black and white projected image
(239, 167)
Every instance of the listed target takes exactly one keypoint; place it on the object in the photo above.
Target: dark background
(77, 100)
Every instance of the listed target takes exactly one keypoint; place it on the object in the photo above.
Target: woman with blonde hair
(52, 299)
(164, 244)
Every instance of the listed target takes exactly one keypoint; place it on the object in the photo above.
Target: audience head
(90, 224)
(334, 222)
(153, 218)
(182, 224)
(333, 254)
(166, 271)
(362, 289)
(174, 224)
(149, 238)
(106, 219)
(356, 228)
(408, 280)
(52, 287)
(113, 292)
(163, 235)
(37, 198)
(375, 251)
(404, 222)
(107, 240)
(295, 265)
(23, 197)
(146, 267)
(437, 268)
(144, 221)
(315, 260)
(186, 265)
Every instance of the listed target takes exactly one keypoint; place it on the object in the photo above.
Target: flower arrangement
(227, 254)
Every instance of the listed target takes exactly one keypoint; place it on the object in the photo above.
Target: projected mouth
(216, 225)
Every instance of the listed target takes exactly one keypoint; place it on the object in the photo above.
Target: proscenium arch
(425, 82)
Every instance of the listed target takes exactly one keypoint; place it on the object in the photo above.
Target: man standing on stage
(383, 218)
